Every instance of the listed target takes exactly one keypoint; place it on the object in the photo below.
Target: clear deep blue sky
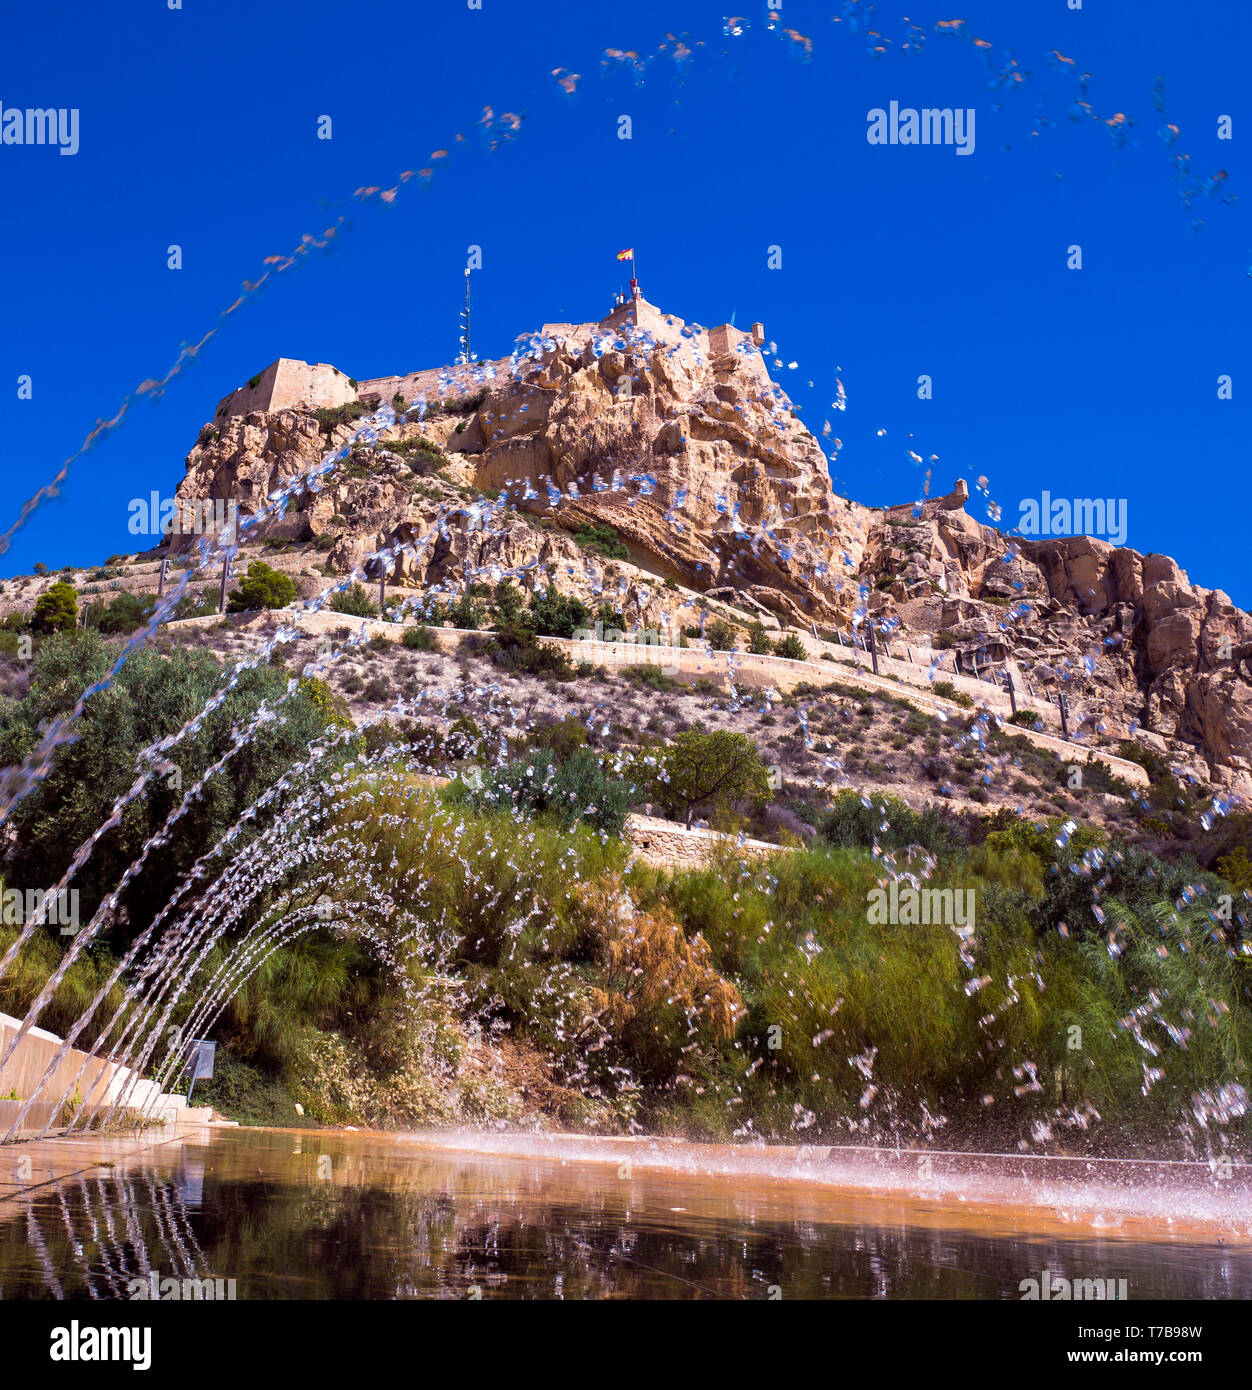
(198, 127)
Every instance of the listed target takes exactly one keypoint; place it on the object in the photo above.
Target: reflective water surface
(324, 1215)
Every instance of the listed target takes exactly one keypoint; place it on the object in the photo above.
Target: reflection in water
(355, 1216)
(92, 1235)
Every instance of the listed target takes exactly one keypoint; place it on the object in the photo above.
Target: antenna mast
(466, 357)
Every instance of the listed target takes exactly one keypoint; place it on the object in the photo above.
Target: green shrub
(329, 418)
(601, 540)
(890, 823)
(1236, 868)
(564, 737)
(123, 615)
(579, 789)
(1166, 793)
(947, 691)
(150, 697)
(554, 614)
(354, 602)
(651, 676)
(423, 456)
(514, 648)
(792, 648)
(56, 609)
(35, 963)
(201, 605)
(466, 612)
(509, 603)
(716, 770)
(896, 993)
(247, 1094)
(262, 587)
(721, 636)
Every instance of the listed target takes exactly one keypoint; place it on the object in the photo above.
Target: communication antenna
(466, 356)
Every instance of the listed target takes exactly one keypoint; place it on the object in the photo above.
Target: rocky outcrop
(679, 439)
(1126, 634)
(676, 437)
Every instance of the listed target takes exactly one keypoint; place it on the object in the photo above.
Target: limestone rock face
(675, 436)
(248, 456)
(1127, 635)
(678, 438)
(688, 454)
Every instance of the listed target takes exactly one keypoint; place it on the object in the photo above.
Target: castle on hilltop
(289, 384)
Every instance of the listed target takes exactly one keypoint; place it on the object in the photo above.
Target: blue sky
(198, 128)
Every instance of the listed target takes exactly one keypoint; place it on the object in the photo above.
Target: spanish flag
(627, 255)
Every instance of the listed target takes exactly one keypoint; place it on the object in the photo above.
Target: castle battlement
(290, 384)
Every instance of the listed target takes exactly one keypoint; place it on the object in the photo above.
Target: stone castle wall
(726, 338)
(435, 383)
(289, 383)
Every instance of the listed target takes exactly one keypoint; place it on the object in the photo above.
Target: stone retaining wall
(667, 844)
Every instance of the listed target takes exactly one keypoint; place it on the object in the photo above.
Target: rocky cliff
(673, 435)
(1127, 633)
(678, 438)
